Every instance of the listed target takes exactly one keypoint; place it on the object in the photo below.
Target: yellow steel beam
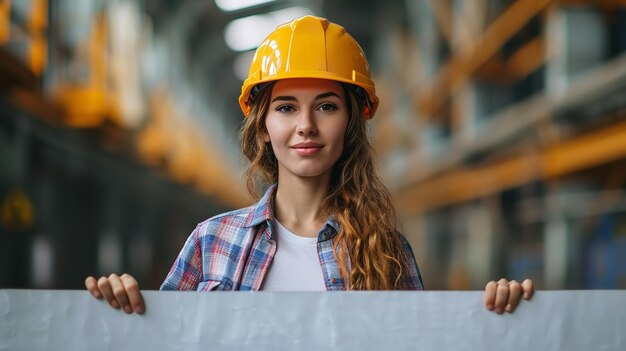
(496, 70)
(39, 15)
(586, 151)
(87, 104)
(37, 53)
(574, 155)
(464, 185)
(527, 59)
(460, 67)
(5, 20)
(501, 30)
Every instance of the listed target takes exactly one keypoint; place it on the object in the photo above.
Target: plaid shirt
(234, 250)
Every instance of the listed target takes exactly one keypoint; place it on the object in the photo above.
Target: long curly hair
(368, 248)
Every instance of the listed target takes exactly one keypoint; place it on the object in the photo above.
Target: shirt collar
(263, 212)
(333, 223)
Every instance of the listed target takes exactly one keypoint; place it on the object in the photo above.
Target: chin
(309, 172)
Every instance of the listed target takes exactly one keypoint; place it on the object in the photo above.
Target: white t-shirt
(296, 265)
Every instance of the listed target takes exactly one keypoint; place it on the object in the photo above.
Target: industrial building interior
(501, 132)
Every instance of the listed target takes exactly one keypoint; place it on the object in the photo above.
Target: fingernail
(115, 304)
(508, 308)
(498, 310)
(138, 309)
(127, 309)
(490, 307)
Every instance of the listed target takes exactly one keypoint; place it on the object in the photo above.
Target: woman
(327, 221)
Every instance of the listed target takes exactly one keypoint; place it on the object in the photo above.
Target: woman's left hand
(504, 295)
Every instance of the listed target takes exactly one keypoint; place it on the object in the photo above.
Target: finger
(120, 293)
(132, 290)
(529, 288)
(490, 295)
(515, 292)
(105, 288)
(92, 285)
(502, 295)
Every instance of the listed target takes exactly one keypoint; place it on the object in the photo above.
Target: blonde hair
(356, 197)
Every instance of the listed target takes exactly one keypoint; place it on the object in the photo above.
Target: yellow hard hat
(310, 47)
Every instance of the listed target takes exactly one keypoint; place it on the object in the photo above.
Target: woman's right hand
(119, 291)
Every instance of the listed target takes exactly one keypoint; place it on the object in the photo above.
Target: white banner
(431, 320)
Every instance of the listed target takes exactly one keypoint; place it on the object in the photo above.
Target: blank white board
(430, 320)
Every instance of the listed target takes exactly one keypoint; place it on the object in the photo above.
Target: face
(306, 122)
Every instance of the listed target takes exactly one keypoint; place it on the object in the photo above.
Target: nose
(306, 124)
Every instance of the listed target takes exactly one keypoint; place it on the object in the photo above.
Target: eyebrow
(292, 98)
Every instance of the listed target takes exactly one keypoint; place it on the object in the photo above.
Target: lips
(307, 149)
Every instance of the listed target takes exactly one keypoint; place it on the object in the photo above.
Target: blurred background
(501, 132)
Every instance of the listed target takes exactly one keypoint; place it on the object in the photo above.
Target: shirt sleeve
(414, 278)
(186, 272)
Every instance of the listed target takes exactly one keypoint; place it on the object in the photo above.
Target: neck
(298, 200)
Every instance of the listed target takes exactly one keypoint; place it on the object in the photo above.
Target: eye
(328, 107)
(285, 108)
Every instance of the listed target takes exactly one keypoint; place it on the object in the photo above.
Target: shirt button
(334, 281)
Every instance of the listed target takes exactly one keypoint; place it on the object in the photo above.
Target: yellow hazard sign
(16, 211)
